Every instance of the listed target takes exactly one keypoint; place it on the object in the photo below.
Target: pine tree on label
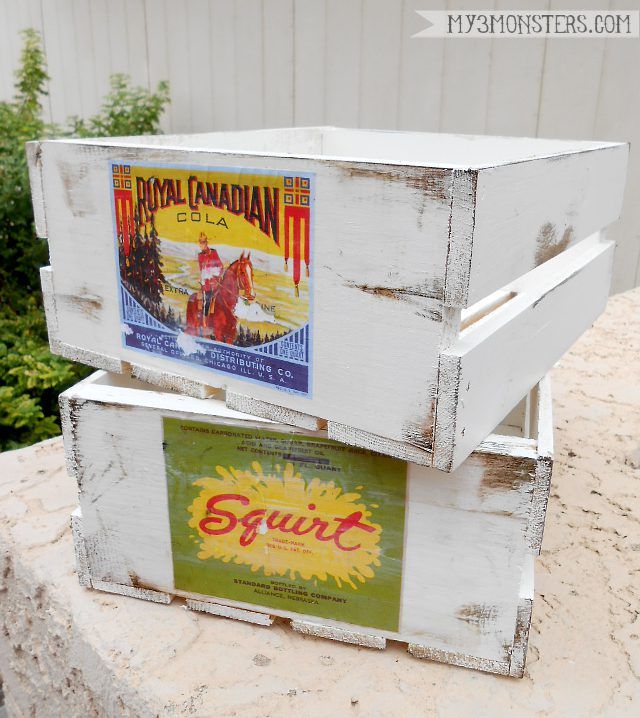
(141, 269)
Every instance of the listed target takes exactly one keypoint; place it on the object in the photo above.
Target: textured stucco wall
(68, 651)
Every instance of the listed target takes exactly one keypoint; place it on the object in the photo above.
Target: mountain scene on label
(231, 268)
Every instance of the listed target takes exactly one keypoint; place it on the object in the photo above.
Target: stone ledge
(70, 651)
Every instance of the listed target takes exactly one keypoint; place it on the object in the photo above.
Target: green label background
(194, 449)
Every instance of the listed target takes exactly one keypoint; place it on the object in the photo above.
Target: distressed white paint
(528, 208)
(82, 561)
(366, 640)
(239, 614)
(409, 229)
(551, 307)
(469, 535)
(342, 62)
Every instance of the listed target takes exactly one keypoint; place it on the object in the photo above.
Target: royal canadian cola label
(215, 268)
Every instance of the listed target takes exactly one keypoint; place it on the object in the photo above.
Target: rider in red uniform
(210, 271)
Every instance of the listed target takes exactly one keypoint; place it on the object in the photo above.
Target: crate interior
(521, 421)
(410, 148)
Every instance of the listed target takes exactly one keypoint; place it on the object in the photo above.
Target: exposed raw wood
(145, 594)
(461, 229)
(217, 609)
(82, 560)
(272, 412)
(469, 536)
(533, 210)
(415, 236)
(497, 359)
(34, 160)
(339, 634)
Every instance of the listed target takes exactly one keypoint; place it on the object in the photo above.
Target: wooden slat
(500, 357)
(466, 543)
(567, 199)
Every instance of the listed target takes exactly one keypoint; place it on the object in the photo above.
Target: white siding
(267, 63)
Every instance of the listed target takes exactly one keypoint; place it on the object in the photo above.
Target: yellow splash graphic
(280, 525)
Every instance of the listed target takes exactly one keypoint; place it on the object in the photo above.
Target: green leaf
(32, 377)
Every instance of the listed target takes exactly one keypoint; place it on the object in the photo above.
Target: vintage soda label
(215, 268)
(293, 523)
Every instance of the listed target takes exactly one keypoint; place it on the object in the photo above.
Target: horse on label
(221, 323)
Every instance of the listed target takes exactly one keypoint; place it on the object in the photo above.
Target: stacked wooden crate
(355, 433)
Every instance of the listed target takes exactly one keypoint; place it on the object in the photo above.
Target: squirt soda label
(215, 268)
(295, 523)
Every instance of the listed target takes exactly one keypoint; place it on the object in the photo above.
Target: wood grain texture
(566, 199)
(366, 640)
(403, 234)
(467, 534)
(403, 293)
(345, 62)
(34, 162)
(80, 550)
(551, 307)
(238, 614)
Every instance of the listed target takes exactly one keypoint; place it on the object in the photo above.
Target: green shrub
(31, 376)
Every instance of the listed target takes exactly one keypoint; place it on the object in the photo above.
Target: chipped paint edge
(69, 405)
(458, 659)
(266, 410)
(146, 594)
(373, 442)
(366, 640)
(49, 302)
(460, 246)
(80, 549)
(544, 467)
(86, 356)
(171, 382)
(34, 164)
(514, 667)
(449, 372)
(84, 572)
(239, 614)
(521, 639)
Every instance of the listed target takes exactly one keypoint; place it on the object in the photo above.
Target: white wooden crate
(446, 273)
(454, 575)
